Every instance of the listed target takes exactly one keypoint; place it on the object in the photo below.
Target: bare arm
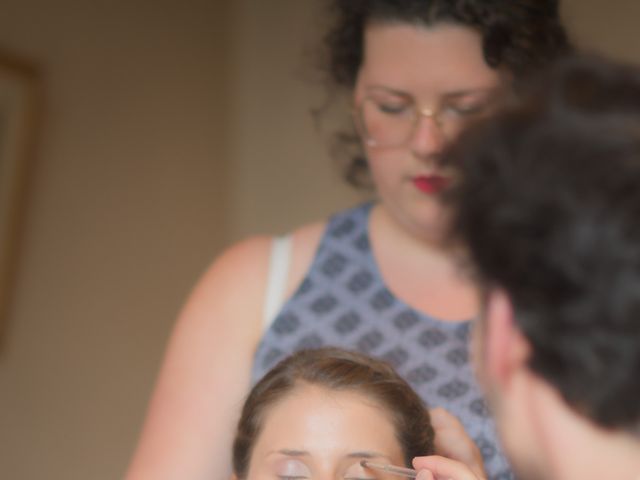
(206, 371)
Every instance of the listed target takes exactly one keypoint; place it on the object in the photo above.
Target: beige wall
(125, 209)
(606, 27)
(282, 175)
(171, 128)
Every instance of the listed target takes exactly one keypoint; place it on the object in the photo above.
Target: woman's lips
(430, 183)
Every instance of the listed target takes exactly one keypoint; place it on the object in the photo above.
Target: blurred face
(416, 90)
(505, 380)
(315, 433)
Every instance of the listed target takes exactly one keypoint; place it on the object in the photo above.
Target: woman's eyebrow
(449, 95)
(390, 90)
(471, 91)
(293, 453)
(366, 454)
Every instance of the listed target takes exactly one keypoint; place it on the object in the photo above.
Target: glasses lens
(386, 122)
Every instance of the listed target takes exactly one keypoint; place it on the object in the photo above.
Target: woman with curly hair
(378, 278)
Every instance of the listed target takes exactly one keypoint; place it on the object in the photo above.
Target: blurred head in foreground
(547, 205)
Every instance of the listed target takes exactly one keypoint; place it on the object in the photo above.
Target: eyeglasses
(385, 118)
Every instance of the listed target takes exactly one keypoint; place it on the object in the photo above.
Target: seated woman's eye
(293, 470)
(358, 472)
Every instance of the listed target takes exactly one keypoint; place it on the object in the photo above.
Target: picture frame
(19, 106)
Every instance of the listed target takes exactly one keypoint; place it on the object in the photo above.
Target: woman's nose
(428, 138)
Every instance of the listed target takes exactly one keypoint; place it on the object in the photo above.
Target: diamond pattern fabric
(344, 302)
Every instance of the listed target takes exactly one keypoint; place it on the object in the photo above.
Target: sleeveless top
(344, 302)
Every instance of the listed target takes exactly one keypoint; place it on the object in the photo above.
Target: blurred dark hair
(548, 205)
(519, 36)
(340, 370)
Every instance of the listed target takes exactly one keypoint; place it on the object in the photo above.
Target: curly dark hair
(339, 370)
(518, 35)
(549, 207)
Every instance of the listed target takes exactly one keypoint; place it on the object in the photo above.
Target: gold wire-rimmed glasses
(387, 118)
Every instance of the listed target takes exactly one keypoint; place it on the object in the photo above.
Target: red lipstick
(431, 184)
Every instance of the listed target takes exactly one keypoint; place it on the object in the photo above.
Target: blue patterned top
(344, 302)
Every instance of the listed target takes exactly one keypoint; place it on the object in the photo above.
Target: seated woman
(320, 412)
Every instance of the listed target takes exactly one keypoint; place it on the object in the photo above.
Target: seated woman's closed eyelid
(356, 471)
(291, 468)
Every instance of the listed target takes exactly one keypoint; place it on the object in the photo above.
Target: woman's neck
(421, 269)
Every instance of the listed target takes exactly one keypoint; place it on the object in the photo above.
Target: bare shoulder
(206, 369)
(306, 240)
(231, 289)
(307, 237)
(244, 260)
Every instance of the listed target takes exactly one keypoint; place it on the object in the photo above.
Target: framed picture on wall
(19, 104)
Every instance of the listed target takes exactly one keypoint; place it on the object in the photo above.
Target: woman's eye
(358, 472)
(467, 110)
(391, 109)
(293, 470)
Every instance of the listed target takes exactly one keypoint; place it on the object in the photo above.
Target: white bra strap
(277, 278)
